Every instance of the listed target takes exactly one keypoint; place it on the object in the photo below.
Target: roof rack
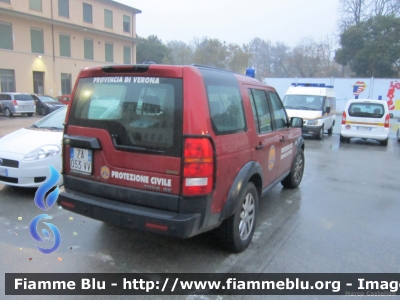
(313, 85)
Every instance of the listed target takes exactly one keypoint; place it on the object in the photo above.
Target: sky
(237, 21)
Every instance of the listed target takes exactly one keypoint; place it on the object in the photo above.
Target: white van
(315, 103)
(367, 119)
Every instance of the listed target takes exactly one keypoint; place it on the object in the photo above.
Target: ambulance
(315, 103)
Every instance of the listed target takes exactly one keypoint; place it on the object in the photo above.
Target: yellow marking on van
(365, 123)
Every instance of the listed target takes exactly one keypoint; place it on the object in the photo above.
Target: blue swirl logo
(46, 205)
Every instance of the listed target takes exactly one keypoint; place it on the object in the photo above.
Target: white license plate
(364, 128)
(81, 160)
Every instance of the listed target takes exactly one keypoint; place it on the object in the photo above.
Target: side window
(280, 117)
(226, 109)
(327, 102)
(261, 112)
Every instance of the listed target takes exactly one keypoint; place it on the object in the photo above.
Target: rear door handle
(259, 147)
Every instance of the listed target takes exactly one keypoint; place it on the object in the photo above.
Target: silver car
(17, 103)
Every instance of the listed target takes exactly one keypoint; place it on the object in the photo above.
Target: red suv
(177, 150)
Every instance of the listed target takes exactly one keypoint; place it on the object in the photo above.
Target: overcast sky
(236, 21)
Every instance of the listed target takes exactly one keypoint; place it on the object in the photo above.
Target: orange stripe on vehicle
(365, 123)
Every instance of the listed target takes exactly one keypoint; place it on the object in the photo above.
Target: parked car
(367, 119)
(25, 154)
(64, 99)
(177, 150)
(46, 104)
(17, 103)
(315, 103)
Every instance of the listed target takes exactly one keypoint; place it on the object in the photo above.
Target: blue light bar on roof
(251, 72)
(313, 85)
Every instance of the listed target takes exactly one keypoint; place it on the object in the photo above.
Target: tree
(181, 53)
(210, 52)
(353, 12)
(261, 57)
(279, 59)
(238, 59)
(152, 49)
(371, 48)
(305, 58)
(386, 8)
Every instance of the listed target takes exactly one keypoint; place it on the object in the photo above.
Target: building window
(63, 8)
(37, 43)
(109, 52)
(66, 83)
(87, 13)
(7, 80)
(65, 45)
(6, 40)
(35, 5)
(127, 24)
(108, 19)
(127, 55)
(88, 48)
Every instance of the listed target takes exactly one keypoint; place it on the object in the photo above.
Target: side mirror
(328, 110)
(391, 116)
(296, 122)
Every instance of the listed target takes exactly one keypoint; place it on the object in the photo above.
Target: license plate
(364, 128)
(81, 160)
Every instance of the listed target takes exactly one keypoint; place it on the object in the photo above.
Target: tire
(42, 111)
(237, 231)
(384, 142)
(8, 112)
(296, 173)
(398, 135)
(29, 114)
(320, 134)
(330, 130)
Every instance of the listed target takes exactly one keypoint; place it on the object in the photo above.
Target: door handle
(282, 139)
(259, 147)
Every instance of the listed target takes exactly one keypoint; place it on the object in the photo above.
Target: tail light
(14, 103)
(387, 119)
(343, 118)
(198, 166)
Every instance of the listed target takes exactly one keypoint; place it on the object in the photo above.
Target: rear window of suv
(140, 113)
(366, 110)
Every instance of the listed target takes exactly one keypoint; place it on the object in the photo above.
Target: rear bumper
(131, 216)
(165, 214)
(380, 136)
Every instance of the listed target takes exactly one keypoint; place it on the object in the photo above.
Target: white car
(366, 119)
(25, 154)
